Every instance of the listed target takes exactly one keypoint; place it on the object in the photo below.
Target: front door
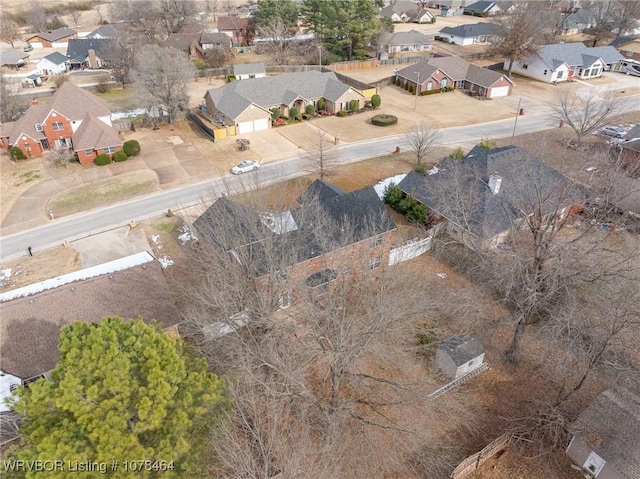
(44, 143)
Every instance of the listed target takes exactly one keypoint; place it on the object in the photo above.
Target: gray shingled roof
(400, 7)
(423, 68)
(31, 325)
(611, 426)
(78, 48)
(412, 37)
(623, 40)
(479, 6)
(350, 218)
(459, 69)
(104, 31)
(235, 97)
(12, 57)
(576, 54)
(460, 191)
(462, 348)
(54, 35)
(56, 58)
(470, 31)
(249, 68)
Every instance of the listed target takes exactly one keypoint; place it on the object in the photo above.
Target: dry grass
(16, 177)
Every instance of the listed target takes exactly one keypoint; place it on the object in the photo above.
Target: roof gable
(74, 102)
(462, 348)
(94, 134)
(56, 58)
(78, 48)
(480, 6)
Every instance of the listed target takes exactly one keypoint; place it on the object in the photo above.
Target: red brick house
(237, 28)
(302, 251)
(73, 119)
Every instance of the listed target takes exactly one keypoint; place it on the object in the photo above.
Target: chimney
(494, 183)
(34, 101)
(93, 60)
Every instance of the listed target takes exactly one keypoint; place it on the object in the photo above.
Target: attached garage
(254, 125)
(499, 91)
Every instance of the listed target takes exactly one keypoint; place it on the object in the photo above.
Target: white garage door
(499, 91)
(255, 125)
(261, 124)
(245, 127)
(36, 44)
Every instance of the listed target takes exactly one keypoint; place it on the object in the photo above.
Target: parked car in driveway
(28, 48)
(614, 131)
(245, 166)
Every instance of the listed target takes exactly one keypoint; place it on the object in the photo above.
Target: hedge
(131, 147)
(405, 205)
(119, 156)
(16, 153)
(354, 105)
(102, 159)
(376, 101)
(310, 109)
(430, 92)
(342, 113)
(384, 120)
(321, 104)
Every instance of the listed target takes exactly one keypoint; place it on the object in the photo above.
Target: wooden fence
(474, 461)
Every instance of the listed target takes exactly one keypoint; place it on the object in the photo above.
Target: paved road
(84, 224)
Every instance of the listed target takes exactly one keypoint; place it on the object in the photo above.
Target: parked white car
(245, 166)
(614, 131)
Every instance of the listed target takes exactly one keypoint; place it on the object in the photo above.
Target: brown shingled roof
(26, 124)
(54, 35)
(232, 23)
(93, 134)
(30, 326)
(75, 102)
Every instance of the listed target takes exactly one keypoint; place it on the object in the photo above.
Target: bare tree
(421, 138)
(218, 56)
(601, 17)
(9, 30)
(626, 14)
(324, 157)
(518, 33)
(163, 75)
(62, 157)
(12, 105)
(36, 17)
(75, 16)
(278, 42)
(586, 112)
(121, 58)
(175, 15)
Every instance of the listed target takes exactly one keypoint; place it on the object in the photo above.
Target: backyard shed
(459, 355)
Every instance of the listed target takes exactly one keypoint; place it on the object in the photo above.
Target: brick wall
(53, 135)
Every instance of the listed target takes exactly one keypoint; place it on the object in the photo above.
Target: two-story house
(74, 119)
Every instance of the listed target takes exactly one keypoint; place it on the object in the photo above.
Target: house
(32, 316)
(247, 104)
(245, 71)
(52, 38)
(481, 198)
(32, 81)
(459, 355)
(443, 72)
(301, 251)
(52, 64)
(412, 41)
(89, 53)
(630, 149)
(576, 22)
(483, 9)
(474, 34)
(405, 11)
(13, 59)
(629, 47)
(196, 44)
(605, 439)
(235, 27)
(104, 31)
(566, 61)
(73, 118)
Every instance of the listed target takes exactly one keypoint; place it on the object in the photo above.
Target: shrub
(310, 109)
(275, 113)
(406, 86)
(430, 92)
(420, 169)
(376, 101)
(447, 89)
(457, 154)
(433, 20)
(354, 105)
(393, 195)
(342, 113)
(16, 153)
(294, 113)
(305, 116)
(104, 84)
(58, 80)
(131, 148)
(102, 159)
(473, 93)
(119, 156)
(485, 144)
(231, 78)
(412, 89)
(384, 120)
(321, 104)
(200, 64)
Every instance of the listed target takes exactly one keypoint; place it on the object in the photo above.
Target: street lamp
(415, 101)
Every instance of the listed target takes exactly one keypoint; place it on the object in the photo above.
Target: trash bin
(521, 111)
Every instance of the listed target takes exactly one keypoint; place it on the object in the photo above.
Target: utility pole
(515, 123)
(320, 56)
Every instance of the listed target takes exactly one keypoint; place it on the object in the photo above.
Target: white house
(565, 61)
(52, 64)
(403, 11)
(8, 383)
(412, 41)
(459, 355)
(474, 34)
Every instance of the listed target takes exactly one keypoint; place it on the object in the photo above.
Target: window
(470, 363)
(375, 241)
(628, 54)
(13, 387)
(525, 66)
(560, 74)
(88, 152)
(284, 301)
(57, 126)
(321, 278)
(545, 72)
(109, 149)
(39, 127)
(374, 262)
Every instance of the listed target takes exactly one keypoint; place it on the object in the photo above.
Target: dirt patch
(42, 265)
(102, 193)
(16, 177)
